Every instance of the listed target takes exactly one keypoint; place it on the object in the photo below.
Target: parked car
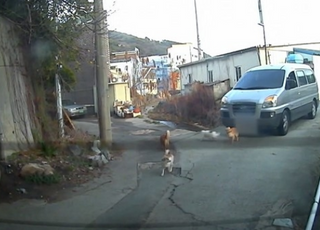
(73, 110)
(272, 96)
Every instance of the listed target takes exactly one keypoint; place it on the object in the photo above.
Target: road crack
(192, 215)
(172, 193)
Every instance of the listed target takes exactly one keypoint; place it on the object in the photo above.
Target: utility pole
(59, 101)
(102, 73)
(197, 26)
(58, 92)
(264, 31)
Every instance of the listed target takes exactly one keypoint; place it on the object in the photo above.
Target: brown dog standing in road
(165, 140)
(232, 133)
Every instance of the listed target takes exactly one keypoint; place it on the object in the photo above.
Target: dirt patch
(71, 170)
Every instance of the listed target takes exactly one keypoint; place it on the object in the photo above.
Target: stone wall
(16, 104)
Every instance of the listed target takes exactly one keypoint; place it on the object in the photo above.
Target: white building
(219, 68)
(155, 61)
(125, 66)
(182, 53)
(231, 66)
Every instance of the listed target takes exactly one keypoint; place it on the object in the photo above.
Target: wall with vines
(16, 105)
(38, 36)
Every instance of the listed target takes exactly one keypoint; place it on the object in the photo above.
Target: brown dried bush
(139, 100)
(198, 106)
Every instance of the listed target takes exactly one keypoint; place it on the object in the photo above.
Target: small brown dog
(165, 140)
(232, 133)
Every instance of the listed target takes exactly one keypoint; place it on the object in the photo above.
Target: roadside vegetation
(48, 32)
(199, 106)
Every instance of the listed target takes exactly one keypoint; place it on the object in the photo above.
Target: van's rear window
(261, 79)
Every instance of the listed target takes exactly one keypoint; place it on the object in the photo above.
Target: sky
(224, 25)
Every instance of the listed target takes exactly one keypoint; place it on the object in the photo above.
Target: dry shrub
(140, 100)
(198, 106)
(77, 136)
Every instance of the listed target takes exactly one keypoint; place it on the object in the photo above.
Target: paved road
(219, 185)
(232, 186)
(239, 186)
(224, 186)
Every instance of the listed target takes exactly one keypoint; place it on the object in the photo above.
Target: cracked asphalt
(215, 184)
(244, 185)
(220, 185)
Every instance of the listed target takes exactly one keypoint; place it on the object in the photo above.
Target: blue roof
(307, 51)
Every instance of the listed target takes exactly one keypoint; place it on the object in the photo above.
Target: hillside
(123, 42)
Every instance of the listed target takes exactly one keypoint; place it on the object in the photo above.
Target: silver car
(73, 110)
(271, 97)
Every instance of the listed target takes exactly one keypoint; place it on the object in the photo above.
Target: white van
(272, 96)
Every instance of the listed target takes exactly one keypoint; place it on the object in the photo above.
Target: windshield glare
(261, 79)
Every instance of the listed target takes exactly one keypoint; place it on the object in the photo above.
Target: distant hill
(124, 42)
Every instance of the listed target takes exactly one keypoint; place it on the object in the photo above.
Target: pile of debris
(125, 109)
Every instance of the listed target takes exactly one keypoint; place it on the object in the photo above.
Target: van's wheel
(283, 128)
(313, 113)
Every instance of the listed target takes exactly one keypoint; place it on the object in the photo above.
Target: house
(118, 91)
(166, 70)
(231, 66)
(219, 68)
(161, 70)
(126, 66)
(179, 54)
(182, 53)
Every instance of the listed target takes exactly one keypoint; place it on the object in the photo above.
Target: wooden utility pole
(264, 31)
(197, 27)
(102, 73)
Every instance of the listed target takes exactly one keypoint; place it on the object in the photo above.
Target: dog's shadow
(155, 168)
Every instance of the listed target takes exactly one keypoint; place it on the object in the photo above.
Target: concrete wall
(219, 88)
(120, 92)
(197, 71)
(16, 105)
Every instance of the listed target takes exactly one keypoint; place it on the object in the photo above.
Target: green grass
(42, 179)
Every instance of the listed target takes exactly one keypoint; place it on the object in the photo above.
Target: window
(261, 79)
(292, 76)
(301, 78)
(238, 72)
(310, 76)
(210, 76)
(190, 77)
